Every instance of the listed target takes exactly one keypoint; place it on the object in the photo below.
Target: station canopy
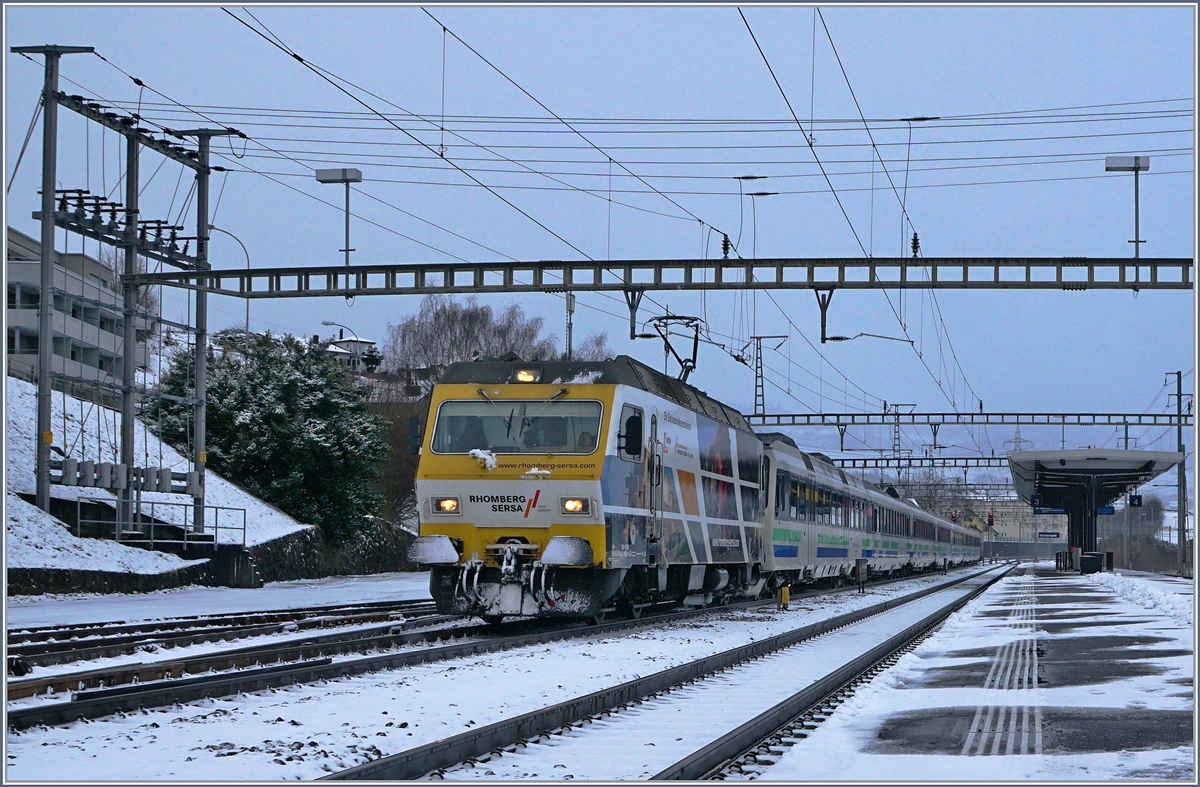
(1081, 480)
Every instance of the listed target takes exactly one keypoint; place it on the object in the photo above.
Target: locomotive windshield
(517, 427)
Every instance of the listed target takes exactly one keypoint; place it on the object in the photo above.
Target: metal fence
(158, 522)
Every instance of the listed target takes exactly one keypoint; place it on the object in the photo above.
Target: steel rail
(438, 755)
(167, 692)
(236, 618)
(293, 650)
(712, 757)
(46, 653)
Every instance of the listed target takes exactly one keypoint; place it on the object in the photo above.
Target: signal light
(953, 516)
(991, 519)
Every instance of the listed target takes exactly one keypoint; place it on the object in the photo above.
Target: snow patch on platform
(1145, 594)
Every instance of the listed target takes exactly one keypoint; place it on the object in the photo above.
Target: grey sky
(1088, 351)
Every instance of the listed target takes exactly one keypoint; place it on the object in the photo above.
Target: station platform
(1049, 675)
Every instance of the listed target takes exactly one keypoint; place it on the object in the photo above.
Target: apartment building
(88, 324)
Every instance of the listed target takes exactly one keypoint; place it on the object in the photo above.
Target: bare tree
(593, 348)
(147, 299)
(446, 331)
(936, 493)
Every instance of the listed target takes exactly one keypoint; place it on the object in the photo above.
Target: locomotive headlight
(576, 505)
(527, 375)
(445, 505)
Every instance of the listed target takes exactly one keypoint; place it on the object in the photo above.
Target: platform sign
(1135, 501)
(1109, 510)
(1055, 510)
(1035, 500)
(1049, 534)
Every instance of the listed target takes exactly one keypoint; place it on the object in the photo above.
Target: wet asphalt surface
(1065, 667)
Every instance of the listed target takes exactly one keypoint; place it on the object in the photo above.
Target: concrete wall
(307, 555)
(36, 581)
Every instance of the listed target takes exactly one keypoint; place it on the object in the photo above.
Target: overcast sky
(1061, 88)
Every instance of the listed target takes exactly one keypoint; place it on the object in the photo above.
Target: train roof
(813, 460)
(622, 370)
(821, 464)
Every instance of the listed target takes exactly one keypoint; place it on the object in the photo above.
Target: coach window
(629, 435)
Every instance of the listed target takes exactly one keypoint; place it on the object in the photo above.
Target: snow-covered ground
(1003, 638)
(37, 540)
(92, 432)
(305, 731)
(32, 611)
(638, 742)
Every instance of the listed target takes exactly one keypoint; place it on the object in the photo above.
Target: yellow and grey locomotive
(570, 489)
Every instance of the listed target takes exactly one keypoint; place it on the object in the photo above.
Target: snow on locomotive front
(557, 489)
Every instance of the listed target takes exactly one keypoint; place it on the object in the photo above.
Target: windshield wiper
(507, 419)
(529, 416)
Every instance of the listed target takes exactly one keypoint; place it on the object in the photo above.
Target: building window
(20, 296)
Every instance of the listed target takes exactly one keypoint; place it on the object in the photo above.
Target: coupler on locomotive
(510, 581)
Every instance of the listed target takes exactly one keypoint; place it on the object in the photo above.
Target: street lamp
(353, 355)
(346, 175)
(1134, 164)
(239, 242)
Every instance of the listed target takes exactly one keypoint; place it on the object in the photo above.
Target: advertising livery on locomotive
(570, 489)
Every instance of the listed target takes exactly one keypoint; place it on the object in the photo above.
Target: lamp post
(239, 242)
(1134, 164)
(353, 355)
(345, 175)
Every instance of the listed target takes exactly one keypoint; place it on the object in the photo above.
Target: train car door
(654, 463)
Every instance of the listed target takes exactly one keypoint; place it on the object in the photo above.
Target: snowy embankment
(1146, 593)
(92, 432)
(37, 540)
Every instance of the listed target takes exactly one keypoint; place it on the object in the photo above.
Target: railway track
(477, 752)
(48, 646)
(102, 692)
(758, 743)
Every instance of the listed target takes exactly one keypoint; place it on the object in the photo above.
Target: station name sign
(1055, 510)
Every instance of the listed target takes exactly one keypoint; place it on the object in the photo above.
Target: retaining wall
(306, 554)
(36, 581)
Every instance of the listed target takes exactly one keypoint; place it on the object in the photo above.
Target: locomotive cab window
(517, 427)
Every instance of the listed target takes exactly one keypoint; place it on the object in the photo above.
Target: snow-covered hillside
(37, 540)
(98, 440)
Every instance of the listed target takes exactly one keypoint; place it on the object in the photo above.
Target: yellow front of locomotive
(508, 488)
